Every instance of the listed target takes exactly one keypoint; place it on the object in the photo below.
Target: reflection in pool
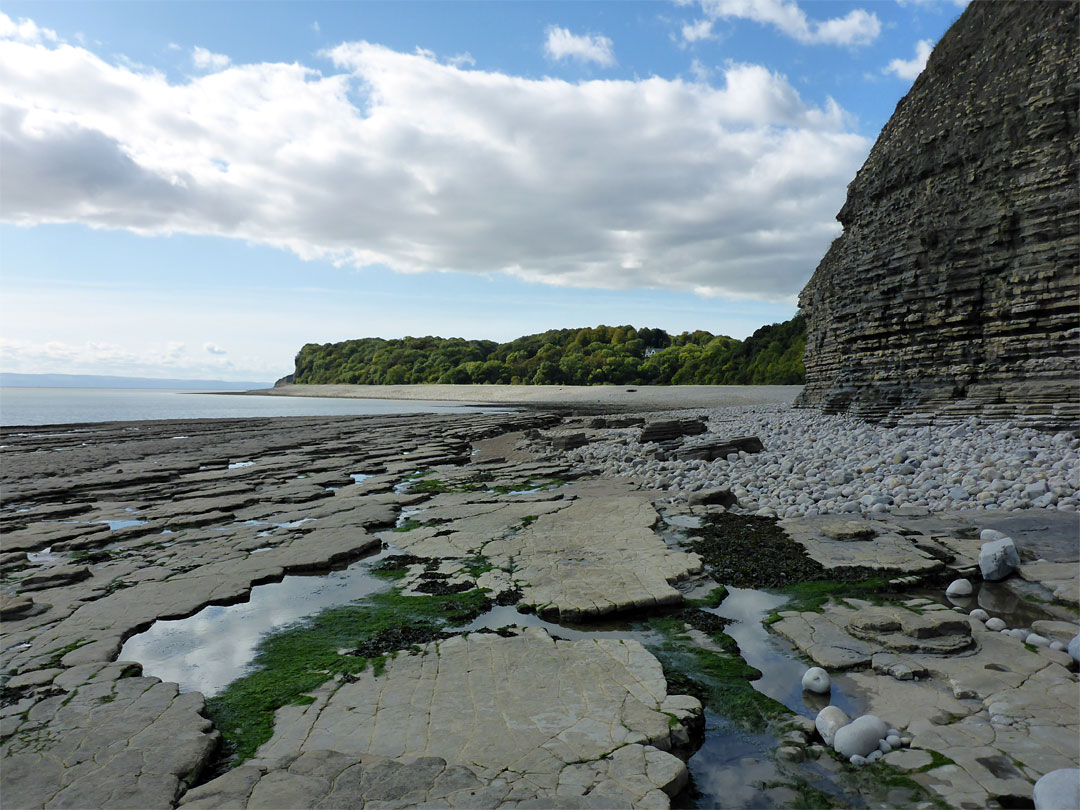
(781, 669)
(734, 769)
(207, 651)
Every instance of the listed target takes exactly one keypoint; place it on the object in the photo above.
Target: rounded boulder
(816, 680)
(828, 721)
(1058, 789)
(959, 587)
(861, 736)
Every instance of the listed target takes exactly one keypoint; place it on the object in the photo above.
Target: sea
(58, 406)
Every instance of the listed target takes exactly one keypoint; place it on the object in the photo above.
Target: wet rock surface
(97, 737)
(529, 717)
(172, 517)
(230, 504)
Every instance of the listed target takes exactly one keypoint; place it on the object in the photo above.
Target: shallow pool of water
(207, 651)
(997, 599)
(781, 668)
(734, 769)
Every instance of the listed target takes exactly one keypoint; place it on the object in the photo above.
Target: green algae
(337, 643)
(716, 596)
(719, 678)
(812, 595)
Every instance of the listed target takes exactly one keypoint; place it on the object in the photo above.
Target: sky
(193, 189)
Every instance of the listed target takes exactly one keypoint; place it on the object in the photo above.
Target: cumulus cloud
(697, 30)
(207, 60)
(561, 44)
(911, 68)
(857, 27)
(24, 30)
(213, 348)
(399, 160)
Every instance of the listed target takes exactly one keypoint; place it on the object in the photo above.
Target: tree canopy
(618, 355)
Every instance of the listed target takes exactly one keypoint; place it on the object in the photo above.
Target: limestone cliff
(954, 287)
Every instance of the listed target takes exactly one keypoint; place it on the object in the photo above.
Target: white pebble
(979, 614)
(995, 624)
(959, 587)
(816, 680)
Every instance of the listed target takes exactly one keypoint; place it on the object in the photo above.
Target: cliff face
(955, 287)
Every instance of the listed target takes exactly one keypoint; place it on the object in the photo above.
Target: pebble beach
(815, 463)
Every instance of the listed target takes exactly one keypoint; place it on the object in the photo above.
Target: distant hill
(619, 355)
(11, 380)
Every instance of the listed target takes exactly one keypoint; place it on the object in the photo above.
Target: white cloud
(207, 60)
(102, 357)
(461, 60)
(213, 348)
(561, 44)
(315, 26)
(697, 30)
(24, 30)
(857, 27)
(911, 68)
(700, 71)
(402, 161)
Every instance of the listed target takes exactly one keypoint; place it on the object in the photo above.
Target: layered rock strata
(954, 288)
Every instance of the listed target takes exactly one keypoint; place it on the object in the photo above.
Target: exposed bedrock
(523, 718)
(954, 288)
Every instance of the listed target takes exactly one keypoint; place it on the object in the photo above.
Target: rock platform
(519, 719)
(109, 528)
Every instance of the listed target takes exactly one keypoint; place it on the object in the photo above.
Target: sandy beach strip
(590, 397)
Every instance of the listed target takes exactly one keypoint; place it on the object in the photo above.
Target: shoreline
(588, 398)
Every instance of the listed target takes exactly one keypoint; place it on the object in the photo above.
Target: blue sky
(198, 189)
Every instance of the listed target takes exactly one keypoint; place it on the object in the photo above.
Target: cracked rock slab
(116, 742)
(573, 559)
(526, 711)
(331, 779)
(596, 557)
(838, 543)
(824, 640)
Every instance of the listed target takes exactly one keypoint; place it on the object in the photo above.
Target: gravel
(816, 463)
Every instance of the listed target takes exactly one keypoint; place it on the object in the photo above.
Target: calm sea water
(54, 406)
